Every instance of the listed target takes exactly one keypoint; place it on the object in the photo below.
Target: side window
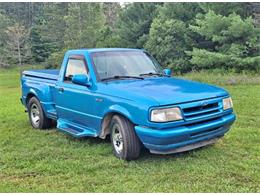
(75, 66)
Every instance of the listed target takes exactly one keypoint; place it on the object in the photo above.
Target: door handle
(60, 89)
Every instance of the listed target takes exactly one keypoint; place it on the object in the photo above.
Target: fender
(104, 126)
(34, 92)
(41, 91)
(121, 110)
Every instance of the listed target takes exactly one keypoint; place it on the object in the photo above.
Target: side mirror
(81, 79)
(167, 72)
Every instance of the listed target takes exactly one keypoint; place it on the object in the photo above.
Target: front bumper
(166, 141)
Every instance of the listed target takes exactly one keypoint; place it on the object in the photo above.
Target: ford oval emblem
(204, 103)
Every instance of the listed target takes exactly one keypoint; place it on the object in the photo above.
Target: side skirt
(74, 129)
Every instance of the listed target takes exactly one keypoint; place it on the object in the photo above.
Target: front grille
(201, 109)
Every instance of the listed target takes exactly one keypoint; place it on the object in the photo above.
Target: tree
(170, 35)
(39, 49)
(168, 41)
(235, 42)
(134, 24)
(185, 12)
(179, 35)
(17, 42)
(108, 38)
(107, 35)
(50, 32)
(25, 13)
(242, 9)
(83, 24)
(4, 23)
(51, 26)
(111, 12)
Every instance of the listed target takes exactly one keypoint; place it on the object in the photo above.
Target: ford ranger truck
(125, 93)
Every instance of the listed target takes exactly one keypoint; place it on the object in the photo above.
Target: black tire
(43, 122)
(130, 142)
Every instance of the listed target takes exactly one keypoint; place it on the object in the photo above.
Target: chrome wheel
(117, 139)
(35, 115)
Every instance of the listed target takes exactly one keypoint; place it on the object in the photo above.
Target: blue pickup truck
(125, 93)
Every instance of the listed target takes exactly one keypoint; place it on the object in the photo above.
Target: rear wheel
(124, 140)
(37, 116)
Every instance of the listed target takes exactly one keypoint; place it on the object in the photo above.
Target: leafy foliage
(182, 36)
(52, 25)
(83, 22)
(39, 49)
(4, 23)
(168, 41)
(17, 44)
(170, 36)
(225, 9)
(134, 24)
(235, 42)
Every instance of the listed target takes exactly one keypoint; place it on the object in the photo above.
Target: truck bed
(51, 74)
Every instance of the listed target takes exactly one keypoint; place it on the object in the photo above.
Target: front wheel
(125, 142)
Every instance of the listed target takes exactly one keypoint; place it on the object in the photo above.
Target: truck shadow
(145, 154)
(89, 140)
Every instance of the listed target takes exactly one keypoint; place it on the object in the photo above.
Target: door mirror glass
(81, 79)
(167, 72)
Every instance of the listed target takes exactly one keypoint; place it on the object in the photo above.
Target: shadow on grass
(145, 154)
(89, 140)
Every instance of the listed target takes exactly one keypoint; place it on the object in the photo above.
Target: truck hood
(165, 90)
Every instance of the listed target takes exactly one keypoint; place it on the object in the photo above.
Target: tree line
(181, 36)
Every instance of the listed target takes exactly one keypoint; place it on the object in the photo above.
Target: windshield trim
(98, 79)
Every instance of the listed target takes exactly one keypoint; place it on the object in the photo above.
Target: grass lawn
(49, 161)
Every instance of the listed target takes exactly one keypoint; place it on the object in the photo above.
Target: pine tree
(40, 51)
(170, 36)
(51, 26)
(111, 12)
(83, 22)
(134, 24)
(235, 40)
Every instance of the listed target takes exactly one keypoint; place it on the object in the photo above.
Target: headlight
(166, 114)
(227, 103)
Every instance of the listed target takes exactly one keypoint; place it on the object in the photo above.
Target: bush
(55, 60)
(168, 42)
(234, 40)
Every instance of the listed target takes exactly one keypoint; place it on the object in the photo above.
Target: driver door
(74, 102)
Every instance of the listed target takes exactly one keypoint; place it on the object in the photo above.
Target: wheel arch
(29, 96)
(106, 121)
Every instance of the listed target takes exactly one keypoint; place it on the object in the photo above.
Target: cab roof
(93, 50)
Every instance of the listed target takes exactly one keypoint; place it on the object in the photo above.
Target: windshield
(124, 63)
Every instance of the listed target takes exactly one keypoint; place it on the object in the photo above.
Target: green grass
(222, 78)
(49, 161)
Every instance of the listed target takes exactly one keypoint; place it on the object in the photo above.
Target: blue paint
(80, 109)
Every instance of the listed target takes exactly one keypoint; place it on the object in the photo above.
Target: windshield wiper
(152, 74)
(121, 77)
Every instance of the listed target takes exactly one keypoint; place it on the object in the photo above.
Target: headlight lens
(166, 114)
(227, 103)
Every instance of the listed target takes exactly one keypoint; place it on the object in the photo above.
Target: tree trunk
(19, 53)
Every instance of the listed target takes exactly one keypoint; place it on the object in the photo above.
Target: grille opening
(202, 122)
(201, 114)
(203, 132)
(198, 108)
